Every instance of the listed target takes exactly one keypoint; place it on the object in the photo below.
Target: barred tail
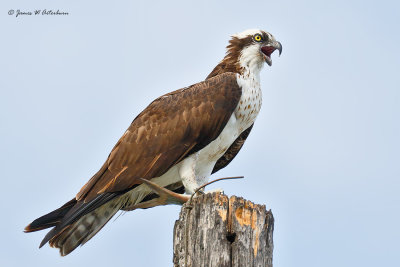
(81, 231)
(76, 222)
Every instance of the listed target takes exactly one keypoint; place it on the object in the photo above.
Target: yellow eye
(257, 38)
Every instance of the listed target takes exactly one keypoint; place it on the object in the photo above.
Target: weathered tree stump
(215, 230)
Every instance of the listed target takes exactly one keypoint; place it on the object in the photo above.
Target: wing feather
(172, 127)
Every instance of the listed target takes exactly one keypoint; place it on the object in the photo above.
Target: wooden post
(215, 230)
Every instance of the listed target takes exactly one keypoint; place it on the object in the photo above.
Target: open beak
(269, 49)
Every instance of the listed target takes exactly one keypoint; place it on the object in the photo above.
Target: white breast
(242, 118)
(250, 102)
(197, 168)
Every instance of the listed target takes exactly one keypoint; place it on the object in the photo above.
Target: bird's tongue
(267, 50)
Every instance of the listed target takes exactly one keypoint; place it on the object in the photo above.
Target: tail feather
(51, 219)
(76, 221)
(83, 229)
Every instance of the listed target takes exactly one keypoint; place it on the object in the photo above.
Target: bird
(172, 147)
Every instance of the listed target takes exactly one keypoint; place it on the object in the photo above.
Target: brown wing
(169, 129)
(232, 151)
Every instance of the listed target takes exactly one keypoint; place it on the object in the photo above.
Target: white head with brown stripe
(247, 52)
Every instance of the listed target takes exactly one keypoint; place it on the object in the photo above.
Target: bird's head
(254, 46)
(247, 52)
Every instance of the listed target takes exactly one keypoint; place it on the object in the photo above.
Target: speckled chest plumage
(250, 102)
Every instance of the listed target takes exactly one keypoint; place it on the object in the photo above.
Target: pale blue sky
(323, 155)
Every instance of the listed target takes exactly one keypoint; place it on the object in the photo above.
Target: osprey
(171, 147)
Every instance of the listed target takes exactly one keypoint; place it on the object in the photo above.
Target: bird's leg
(191, 180)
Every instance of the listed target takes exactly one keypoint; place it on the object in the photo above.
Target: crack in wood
(221, 231)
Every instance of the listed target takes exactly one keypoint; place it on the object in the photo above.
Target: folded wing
(172, 127)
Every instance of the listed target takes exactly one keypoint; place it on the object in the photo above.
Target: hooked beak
(268, 49)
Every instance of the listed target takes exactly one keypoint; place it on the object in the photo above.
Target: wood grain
(215, 230)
